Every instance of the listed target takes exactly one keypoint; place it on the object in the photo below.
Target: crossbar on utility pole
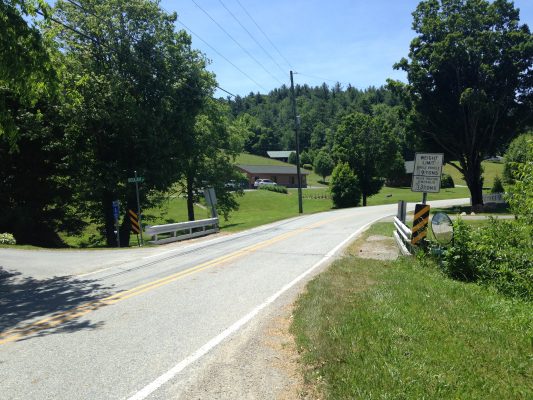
(296, 130)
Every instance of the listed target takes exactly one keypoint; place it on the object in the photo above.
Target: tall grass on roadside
(395, 330)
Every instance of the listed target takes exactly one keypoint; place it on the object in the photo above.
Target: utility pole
(296, 129)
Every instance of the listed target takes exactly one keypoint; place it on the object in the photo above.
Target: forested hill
(320, 108)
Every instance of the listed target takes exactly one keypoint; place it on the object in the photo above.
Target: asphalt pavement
(129, 324)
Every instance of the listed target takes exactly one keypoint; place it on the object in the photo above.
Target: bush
(497, 186)
(516, 154)
(306, 158)
(520, 196)
(447, 182)
(458, 262)
(292, 158)
(274, 188)
(324, 164)
(499, 255)
(7, 238)
(344, 187)
(308, 166)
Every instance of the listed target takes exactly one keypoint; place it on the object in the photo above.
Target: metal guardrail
(181, 230)
(402, 234)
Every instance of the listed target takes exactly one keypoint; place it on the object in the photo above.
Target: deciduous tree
(366, 144)
(134, 88)
(324, 164)
(470, 77)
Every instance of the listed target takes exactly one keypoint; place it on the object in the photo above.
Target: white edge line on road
(161, 380)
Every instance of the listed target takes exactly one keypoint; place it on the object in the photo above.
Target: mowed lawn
(369, 329)
(262, 207)
(490, 171)
(258, 207)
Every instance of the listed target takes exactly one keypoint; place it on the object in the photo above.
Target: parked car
(261, 182)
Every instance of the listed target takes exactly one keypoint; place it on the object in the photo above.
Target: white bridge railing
(402, 234)
(181, 230)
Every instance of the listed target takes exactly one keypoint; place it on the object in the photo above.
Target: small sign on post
(116, 213)
(420, 223)
(427, 172)
(138, 179)
(135, 226)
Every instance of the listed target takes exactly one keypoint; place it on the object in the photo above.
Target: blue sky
(350, 41)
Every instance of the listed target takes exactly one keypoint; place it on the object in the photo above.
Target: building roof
(272, 169)
(280, 154)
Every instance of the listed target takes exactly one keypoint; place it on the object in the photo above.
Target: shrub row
(274, 188)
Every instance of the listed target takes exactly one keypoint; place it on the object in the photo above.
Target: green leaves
(367, 144)
(25, 68)
(344, 188)
(470, 75)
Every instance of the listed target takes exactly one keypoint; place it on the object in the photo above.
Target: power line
(265, 35)
(238, 44)
(221, 55)
(253, 38)
(224, 90)
(107, 46)
(67, 26)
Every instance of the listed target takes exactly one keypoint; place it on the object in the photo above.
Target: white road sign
(427, 172)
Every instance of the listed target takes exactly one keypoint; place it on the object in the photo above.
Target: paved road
(130, 324)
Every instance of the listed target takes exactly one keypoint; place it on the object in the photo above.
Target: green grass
(251, 159)
(380, 228)
(395, 330)
(171, 211)
(491, 170)
(393, 195)
(260, 207)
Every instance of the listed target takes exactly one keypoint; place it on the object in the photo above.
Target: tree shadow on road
(24, 301)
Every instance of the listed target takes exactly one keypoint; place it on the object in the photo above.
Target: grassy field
(258, 208)
(491, 170)
(393, 195)
(371, 329)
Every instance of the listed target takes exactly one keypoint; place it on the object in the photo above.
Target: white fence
(181, 231)
(402, 234)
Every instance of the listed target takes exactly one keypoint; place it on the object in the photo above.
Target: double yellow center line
(58, 319)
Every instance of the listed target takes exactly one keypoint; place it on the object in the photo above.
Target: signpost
(211, 200)
(136, 179)
(116, 213)
(427, 173)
